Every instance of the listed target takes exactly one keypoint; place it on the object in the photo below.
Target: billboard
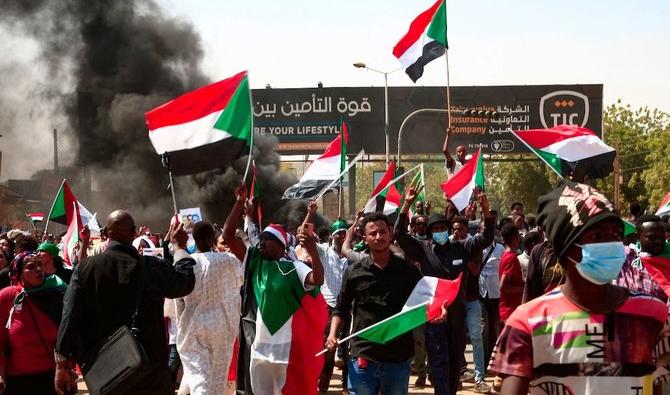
(306, 119)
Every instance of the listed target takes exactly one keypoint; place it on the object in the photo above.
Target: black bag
(120, 363)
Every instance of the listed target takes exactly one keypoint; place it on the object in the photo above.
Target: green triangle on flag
(236, 120)
(344, 137)
(419, 181)
(400, 324)
(438, 25)
(479, 172)
(63, 207)
(277, 289)
(628, 228)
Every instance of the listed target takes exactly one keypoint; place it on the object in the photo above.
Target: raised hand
(312, 207)
(241, 193)
(484, 203)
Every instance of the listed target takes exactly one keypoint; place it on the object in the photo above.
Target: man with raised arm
(282, 321)
(445, 258)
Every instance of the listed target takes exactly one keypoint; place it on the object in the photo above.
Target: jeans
(491, 324)
(389, 378)
(473, 320)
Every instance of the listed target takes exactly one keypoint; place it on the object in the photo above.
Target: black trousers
(40, 383)
(491, 326)
(329, 357)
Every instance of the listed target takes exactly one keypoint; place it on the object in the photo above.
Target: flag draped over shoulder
(664, 207)
(461, 186)
(658, 267)
(385, 197)
(426, 40)
(204, 129)
(424, 304)
(322, 171)
(570, 149)
(289, 328)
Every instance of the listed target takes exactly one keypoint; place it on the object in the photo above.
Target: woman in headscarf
(30, 311)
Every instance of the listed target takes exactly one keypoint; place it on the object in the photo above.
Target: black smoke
(109, 61)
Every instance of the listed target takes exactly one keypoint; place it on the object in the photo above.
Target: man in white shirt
(208, 318)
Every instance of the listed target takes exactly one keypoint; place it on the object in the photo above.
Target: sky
(624, 45)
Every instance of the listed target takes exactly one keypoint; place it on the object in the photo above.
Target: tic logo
(564, 108)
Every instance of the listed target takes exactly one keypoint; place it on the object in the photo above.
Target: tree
(631, 132)
(521, 181)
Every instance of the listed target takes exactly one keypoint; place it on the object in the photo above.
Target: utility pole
(617, 178)
(55, 150)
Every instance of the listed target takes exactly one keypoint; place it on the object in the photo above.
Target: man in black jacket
(445, 258)
(102, 297)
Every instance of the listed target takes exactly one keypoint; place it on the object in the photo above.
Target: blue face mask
(441, 237)
(601, 262)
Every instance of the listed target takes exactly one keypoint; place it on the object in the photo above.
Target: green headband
(338, 225)
(51, 248)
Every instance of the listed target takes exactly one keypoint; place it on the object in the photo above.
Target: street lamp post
(361, 65)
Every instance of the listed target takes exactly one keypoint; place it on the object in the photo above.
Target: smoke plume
(106, 62)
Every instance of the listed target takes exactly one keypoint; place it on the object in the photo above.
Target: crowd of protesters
(557, 302)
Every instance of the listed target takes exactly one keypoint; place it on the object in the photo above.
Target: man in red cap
(278, 298)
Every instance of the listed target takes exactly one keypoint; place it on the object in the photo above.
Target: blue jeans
(391, 378)
(473, 320)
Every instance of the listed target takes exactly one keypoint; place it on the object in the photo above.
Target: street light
(361, 65)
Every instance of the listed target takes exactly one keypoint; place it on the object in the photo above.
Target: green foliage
(640, 136)
(522, 181)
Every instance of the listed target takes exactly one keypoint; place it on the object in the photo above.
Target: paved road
(335, 382)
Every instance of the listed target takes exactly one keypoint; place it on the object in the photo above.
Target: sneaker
(468, 377)
(481, 388)
(420, 382)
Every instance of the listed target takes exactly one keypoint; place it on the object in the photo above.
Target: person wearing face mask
(586, 336)
(445, 258)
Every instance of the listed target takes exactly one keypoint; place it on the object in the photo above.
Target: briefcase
(119, 365)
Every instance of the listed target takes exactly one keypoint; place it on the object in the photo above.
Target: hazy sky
(624, 45)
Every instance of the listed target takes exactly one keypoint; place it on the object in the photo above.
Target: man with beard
(375, 287)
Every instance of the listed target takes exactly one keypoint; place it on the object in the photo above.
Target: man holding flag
(375, 286)
(446, 259)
